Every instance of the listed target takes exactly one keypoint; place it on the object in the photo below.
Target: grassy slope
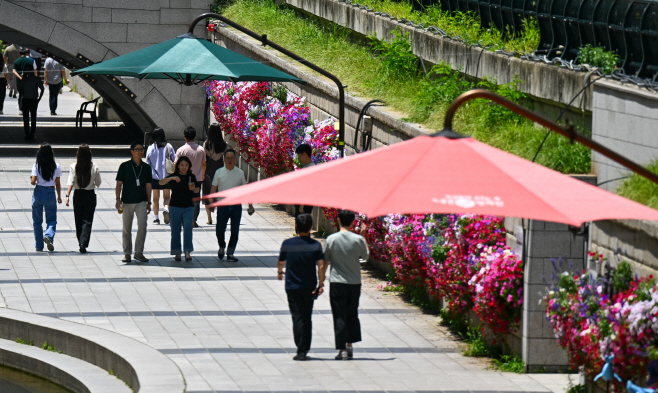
(367, 76)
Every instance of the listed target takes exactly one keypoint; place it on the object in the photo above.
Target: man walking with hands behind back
(133, 192)
(227, 177)
(301, 255)
(344, 250)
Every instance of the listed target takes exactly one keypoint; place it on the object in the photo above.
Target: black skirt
(211, 167)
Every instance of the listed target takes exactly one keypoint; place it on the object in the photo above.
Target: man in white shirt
(226, 178)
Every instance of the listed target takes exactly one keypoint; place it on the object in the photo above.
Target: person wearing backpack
(160, 155)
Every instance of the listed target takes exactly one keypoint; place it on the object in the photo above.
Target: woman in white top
(156, 156)
(45, 176)
(84, 176)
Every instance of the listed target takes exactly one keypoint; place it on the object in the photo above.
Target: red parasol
(445, 173)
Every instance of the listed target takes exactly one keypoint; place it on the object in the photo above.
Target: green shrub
(509, 363)
(398, 60)
(640, 189)
(598, 57)
(477, 347)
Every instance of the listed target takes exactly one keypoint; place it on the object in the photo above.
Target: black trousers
(344, 300)
(84, 206)
(3, 93)
(197, 204)
(29, 109)
(300, 302)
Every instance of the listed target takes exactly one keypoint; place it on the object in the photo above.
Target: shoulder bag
(170, 166)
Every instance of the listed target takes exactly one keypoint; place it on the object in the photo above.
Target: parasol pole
(568, 132)
(340, 126)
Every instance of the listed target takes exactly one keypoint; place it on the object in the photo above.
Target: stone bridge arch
(103, 29)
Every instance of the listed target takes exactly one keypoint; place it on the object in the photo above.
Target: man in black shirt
(30, 102)
(301, 255)
(133, 192)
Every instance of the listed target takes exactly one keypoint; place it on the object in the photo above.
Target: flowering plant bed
(268, 124)
(597, 317)
(460, 258)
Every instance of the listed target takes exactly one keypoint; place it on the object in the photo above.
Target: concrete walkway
(226, 325)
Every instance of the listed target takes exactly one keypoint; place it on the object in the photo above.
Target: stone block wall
(624, 119)
(630, 240)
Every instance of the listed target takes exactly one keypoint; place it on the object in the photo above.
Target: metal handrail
(568, 132)
(266, 42)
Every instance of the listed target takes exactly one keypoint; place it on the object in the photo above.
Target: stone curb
(69, 372)
(144, 368)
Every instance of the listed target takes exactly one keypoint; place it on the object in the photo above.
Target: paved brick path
(225, 325)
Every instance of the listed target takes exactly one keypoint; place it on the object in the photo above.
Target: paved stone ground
(225, 325)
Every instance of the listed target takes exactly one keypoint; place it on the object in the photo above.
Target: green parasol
(189, 60)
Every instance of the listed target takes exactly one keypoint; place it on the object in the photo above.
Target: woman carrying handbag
(84, 177)
(160, 155)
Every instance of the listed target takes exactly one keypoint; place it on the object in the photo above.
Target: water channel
(13, 381)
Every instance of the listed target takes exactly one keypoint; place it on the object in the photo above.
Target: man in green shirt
(133, 193)
(22, 67)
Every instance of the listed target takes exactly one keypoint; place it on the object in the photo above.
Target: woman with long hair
(84, 177)
(181, 209)
(45, 176)
(215, 146)
(156, 156)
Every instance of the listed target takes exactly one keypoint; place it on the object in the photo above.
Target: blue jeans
(225, 213)
(44, 198)
(181, 216)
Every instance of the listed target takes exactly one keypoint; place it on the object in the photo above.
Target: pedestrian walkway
(68, 104)
(225, 325)
(60, 129)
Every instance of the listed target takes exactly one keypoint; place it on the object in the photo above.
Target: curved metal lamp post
(263, 39)
(568, 132)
